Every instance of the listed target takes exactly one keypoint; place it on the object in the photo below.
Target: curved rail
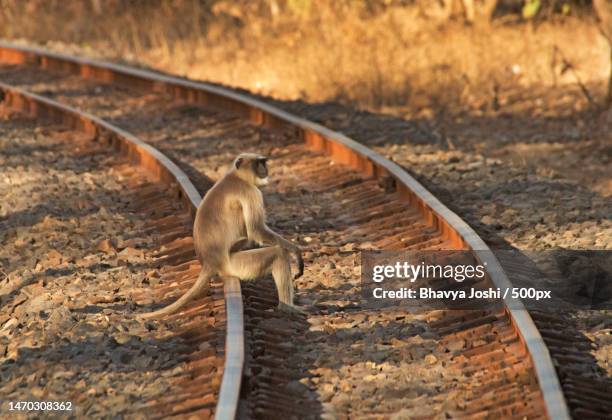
(163, 168)
(341, 149)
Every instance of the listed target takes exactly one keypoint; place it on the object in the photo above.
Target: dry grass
(381, 57)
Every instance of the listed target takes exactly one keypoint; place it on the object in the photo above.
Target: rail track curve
(453, 231)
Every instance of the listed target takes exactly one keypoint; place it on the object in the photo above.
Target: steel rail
(340, 148)
(163, 168)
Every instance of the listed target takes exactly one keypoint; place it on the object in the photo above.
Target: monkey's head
(252, 167)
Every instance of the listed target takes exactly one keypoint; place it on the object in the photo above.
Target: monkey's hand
(298, 255)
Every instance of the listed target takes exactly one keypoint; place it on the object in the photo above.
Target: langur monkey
(230, 218)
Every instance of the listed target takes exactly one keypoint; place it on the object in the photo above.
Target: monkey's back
(219, 221)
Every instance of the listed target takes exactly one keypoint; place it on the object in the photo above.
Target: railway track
(151, 184)
(336, 197)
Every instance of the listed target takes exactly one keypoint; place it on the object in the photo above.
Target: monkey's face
(260, 167)
(253, 167)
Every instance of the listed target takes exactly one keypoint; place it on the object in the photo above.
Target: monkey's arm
(256, 227)
(267, 235)
(259, 231)
(242, 245)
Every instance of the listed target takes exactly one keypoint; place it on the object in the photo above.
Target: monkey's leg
(256, 263)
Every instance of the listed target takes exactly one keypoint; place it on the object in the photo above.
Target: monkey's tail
(201, 284)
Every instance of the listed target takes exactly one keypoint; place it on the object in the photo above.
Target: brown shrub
(375, 54)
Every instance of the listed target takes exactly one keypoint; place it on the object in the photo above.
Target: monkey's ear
(238, 163)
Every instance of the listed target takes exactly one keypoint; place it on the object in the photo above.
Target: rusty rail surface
(342, 150)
